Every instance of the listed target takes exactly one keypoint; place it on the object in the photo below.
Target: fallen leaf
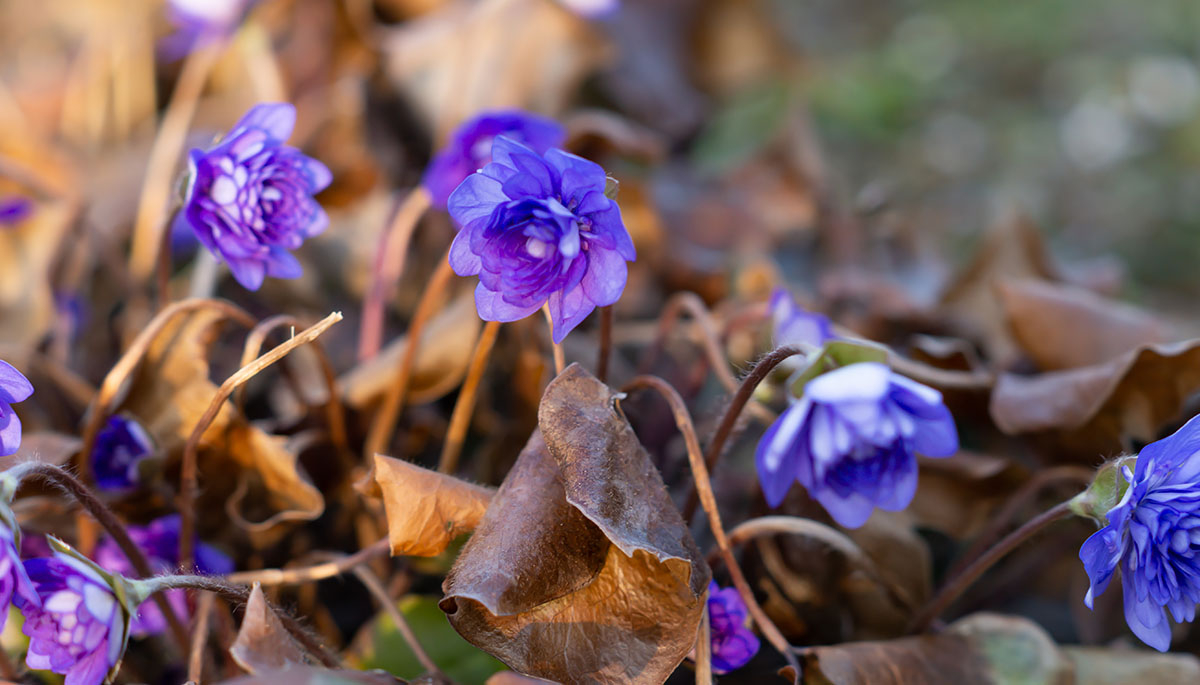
(1065, 327)
(582, 570)
(262, 643)
(1092, 411)
(425, 509)
(439, 366)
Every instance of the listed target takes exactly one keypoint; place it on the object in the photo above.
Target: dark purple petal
(120, 445)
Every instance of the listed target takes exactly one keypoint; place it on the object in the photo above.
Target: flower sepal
(1107, 490)
(129, 592)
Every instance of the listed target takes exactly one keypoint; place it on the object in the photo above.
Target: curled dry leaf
(262, 643)
(425, 509)
(440, 364)
(1092, 411)
(982, 648)
(582, 570)
(1065, 327)
(169, 393)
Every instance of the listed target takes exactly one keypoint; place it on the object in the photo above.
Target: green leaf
(460, 660)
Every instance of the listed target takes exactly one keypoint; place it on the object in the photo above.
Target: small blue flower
(851, 441)
(539, 230)
(249, 197)
(14, 387)
(470, 147)
(1153, 536)
(198, 22)
(120, 445)
(14, 210)
(794, 325)
(733, 644)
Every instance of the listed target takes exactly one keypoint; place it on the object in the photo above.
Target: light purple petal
(851, 511)
(249, 272)
(14, 386)
(1146, 619)
(492, 307)
(865, 382)
(10, 431)
(605, 278)
(462, 260)
(475, 199)
(319, 175)
(780, 452)
(276, 119)
(568, 311)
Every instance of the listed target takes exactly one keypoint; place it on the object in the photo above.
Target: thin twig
(389, 265)
(959, 584)
(116, 530)
(683, 421)
(704, 675)
(162, 263)
(734, 410)
(100, 407)
(795, 525)
(188, 475)
(172, 133)
(308, 574)
(383, 425)
(606, 326)
(375, 587)
(204, 605)
(559, 360)
(460, 418)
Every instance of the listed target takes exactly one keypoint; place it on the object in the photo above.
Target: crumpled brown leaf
(582, 570)
(1091, 411)
(425, 509)
(262, 643)
(439, 366)
(168, 394)
(1065, 327)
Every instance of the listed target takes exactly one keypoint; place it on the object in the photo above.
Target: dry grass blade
(310, 574)
(188, 475)
(375, 586)
(204, 605)
(460, 418)
(704, 674)
(389, 265)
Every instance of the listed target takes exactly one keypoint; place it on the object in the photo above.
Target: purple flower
(14, 581)
(160, 541)
(249, 197)
(120, 445)
(794, 325)
(470, 147)
(850, 441)
(592, 9)
(733, 644)
(198, 22)
(14, 387)
(78, 628)
(14, 210)
(1153, 535)
(539, 229)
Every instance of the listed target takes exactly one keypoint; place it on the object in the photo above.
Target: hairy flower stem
(461, 417)
(240, 595)
(10, 482)
(559, 360)
(744, 392)
(959, 584)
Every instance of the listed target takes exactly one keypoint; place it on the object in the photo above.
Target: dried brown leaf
(262, 643)
(425, 509)
(1065, 327)
(440, 364)
(1093, 410)
(582, 569)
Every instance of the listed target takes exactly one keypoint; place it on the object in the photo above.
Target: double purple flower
(470, 147)
(1153, 536)
(14, 387)
(160, 541)
(539, 229)
(733, 644)
(249, 198)
(851, 441)
(76, 624)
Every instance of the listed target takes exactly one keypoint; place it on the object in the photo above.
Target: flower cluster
(249, 198)
(733, 644)
(470, 147)
(1153, 536)
(851, 441)
(539, 229)
(159, 540)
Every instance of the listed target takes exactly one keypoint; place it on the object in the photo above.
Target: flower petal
(276, 119)
(14, 386)
(605, 278)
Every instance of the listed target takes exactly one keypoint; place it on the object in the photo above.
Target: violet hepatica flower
(733, 644)
(851, 441)
(1153, 536)
(14, 387)
(14, 581)
(470, 147)
(249, 197)
(794, 325)
(120, 446)
(160, 541)
(79, 627)
(538, 229)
